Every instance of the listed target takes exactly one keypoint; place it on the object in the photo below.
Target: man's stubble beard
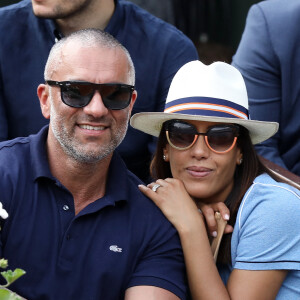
(77, 150)
(60, 12)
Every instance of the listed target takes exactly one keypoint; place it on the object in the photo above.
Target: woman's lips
(199, 171)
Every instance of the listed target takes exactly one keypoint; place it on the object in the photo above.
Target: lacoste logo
(115, 248)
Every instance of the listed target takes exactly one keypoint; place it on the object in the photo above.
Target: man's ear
(133, 98)
(43, 94)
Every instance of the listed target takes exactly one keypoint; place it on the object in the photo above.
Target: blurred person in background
(29, 29)
(268, 57)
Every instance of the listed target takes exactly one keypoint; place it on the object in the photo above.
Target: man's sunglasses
(219, 139)
(79, 93)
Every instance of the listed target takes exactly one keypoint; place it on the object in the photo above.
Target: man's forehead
(74, 52)
(96, 63)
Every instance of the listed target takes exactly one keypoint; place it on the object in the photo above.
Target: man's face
(93, 132)
(58, 9)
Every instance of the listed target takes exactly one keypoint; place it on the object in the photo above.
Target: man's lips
(92, 127)
(93, 130)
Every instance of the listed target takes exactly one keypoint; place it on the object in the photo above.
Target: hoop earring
(241, 160)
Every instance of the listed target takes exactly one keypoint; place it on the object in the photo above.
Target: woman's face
(207, 176)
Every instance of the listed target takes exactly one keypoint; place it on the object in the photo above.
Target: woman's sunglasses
(78, 94)
(219, 139)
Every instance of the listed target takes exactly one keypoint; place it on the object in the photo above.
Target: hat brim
(151, 123)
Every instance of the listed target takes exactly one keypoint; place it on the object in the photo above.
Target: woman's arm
(204, 280)
(182, 212)
(258, 285)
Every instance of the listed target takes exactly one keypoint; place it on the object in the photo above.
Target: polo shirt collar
(53, 30)
(117, 188)
(113, 26)
(38, 153)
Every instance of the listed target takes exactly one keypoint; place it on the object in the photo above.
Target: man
(29, 29)
(269, 59)
(77, 223)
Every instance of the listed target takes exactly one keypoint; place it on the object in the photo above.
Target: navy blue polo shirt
(157, 49)
(118, 241)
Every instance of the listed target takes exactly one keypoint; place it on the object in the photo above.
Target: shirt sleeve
(257, 61)
(268, 229)
(162, 263)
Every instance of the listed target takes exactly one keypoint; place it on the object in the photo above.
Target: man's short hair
(86, 38)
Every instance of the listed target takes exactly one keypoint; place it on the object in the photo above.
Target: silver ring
(155, 187)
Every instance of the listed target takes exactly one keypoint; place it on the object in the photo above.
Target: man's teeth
(92, 127)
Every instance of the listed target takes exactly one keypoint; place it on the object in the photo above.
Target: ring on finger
(155, 187)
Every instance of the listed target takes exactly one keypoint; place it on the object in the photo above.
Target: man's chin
(41, 11)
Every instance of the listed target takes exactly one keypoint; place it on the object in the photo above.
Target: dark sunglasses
(219, 139)
(78, 94)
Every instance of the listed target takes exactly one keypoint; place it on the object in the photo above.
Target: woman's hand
(208, 211)
(175, 203)
(180, 209)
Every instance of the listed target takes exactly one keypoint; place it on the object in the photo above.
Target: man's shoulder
(149, 22)
(9, 144)
(133, 183)
(13, 148)
(22, 7)
(277, 10)
(15, 161)
(271, 194)
(139, 201)
(15, 20)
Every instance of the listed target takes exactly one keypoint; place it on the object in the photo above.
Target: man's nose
(96, 106)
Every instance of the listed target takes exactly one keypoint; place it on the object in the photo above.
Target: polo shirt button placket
(66, 207)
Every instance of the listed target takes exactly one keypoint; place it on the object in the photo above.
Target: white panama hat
(213, 93)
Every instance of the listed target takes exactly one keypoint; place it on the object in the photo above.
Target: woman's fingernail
(226, 217)
(214, 234)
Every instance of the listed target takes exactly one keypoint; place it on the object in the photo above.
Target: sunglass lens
(77, 95)
(220, 138)
(115, 96)
(181, 135)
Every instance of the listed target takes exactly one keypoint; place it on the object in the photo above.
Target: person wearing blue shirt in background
(269, 59)
(30, 28)
(78, 225)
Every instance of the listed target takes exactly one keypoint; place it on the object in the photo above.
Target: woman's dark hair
(158, 167)
(244, 176)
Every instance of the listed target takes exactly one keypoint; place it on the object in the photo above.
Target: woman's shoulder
(266, 232)
(268, 198)
(268, 188)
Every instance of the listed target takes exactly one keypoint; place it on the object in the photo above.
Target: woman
(205, 157)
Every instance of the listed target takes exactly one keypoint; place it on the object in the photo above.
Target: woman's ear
(43, 94)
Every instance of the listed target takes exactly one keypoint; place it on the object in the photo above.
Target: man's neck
(85, 181)
(97, 15)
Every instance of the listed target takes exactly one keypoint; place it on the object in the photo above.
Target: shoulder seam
(262, 184)
(11, 144)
